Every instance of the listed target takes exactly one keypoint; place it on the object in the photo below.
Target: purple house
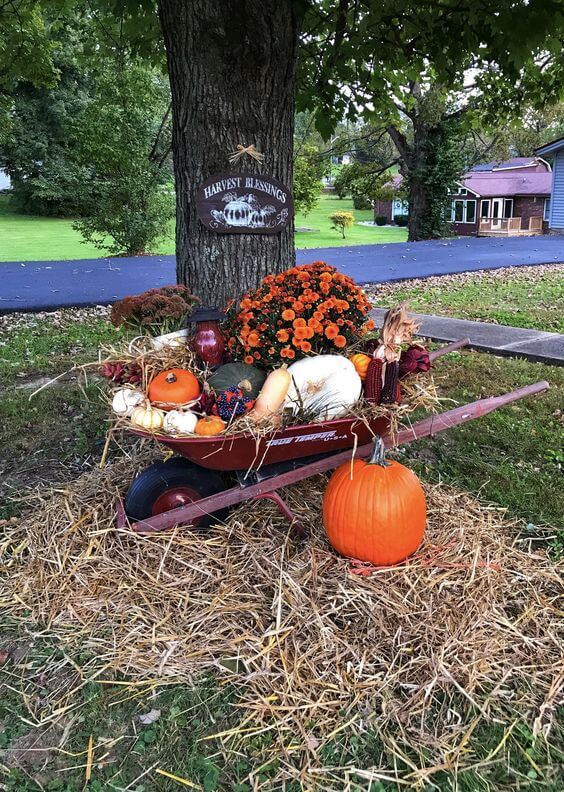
(503, 198)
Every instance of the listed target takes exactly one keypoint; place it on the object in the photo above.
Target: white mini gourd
(125, 400)
(325, 385)
(180, 422)
(147, 417)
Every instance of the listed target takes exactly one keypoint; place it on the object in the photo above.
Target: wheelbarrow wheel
(167, 485)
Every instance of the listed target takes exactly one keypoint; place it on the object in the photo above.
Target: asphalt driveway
(34, 286)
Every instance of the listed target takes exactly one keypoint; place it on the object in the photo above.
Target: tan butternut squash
(272, 395)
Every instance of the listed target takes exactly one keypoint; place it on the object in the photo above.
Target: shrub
(155, 310)
(402, 220)
(309, 169)
(128, 195)
(341, 221)
(311, 308)
(361, 202)
(380, 220)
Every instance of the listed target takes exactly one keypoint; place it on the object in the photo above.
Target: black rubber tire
(175, 472)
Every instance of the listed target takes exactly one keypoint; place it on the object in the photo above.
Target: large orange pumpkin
(374, 511)
(173, 387)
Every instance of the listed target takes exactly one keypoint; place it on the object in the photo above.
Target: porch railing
(508, 225)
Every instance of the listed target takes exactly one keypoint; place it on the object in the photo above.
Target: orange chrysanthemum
(332, 331)
(300, 311)
(253, 339)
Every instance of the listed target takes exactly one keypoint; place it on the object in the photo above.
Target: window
(485, 211)
(508, 208)
(463, 211)
(463, 191)
(546, 214)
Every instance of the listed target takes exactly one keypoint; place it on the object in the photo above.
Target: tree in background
(128, 195)
(309, 169)
(408, 66)
(533, 129)
(25, 53)
(38, 150)
(366, 183)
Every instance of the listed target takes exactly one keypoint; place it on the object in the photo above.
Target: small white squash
(326, 386)
(147, 417)
(126, 400)
(180, 422)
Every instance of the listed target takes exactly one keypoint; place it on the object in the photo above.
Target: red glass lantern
(208, 341)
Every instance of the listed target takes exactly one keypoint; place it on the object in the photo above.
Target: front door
(497, 212)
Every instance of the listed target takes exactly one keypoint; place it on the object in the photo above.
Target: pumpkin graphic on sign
(238, 212)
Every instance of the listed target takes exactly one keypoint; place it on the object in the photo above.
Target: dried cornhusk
(465, 635)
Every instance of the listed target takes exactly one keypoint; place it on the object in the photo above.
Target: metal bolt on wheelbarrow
(191, 489)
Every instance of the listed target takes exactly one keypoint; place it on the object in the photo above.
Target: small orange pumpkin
(374, 511)
(210, 425)
(173, 387)
(361, 362)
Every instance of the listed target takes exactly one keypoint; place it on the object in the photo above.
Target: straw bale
(465, 633)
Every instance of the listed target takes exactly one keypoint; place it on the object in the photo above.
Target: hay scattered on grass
(463, 635)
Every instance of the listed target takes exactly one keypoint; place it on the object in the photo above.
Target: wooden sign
(244, 204)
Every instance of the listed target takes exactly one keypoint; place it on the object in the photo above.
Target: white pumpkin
(180, 422)
(325, 385)
(126, 400)
(147, 417)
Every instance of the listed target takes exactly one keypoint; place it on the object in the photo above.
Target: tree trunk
(415, 170)
(231, 65)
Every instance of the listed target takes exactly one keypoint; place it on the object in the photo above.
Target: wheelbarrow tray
(245, 451)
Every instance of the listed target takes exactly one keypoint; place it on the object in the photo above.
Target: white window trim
(464, 202)
(489, 203)
(546, 209)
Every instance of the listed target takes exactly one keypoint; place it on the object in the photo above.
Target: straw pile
(463, 634)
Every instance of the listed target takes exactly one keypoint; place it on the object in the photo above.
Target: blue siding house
(555, 151)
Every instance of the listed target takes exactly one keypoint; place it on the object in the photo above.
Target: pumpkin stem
(378, 453)
(171, 377)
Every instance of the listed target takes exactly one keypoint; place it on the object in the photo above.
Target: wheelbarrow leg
(295, 524)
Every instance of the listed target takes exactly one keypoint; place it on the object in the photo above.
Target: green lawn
(323, 235)
(29, 238)
(524, 297)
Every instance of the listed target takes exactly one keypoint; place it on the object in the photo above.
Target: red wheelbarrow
(194, 487)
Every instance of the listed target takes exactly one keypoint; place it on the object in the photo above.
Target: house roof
(550, 148)
(498, 184)
(514, 162)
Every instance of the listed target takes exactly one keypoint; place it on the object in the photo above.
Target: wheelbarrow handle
(437, 353)
(425, 428)
(467, 412)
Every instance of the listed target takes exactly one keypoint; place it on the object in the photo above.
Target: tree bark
(231, 65)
